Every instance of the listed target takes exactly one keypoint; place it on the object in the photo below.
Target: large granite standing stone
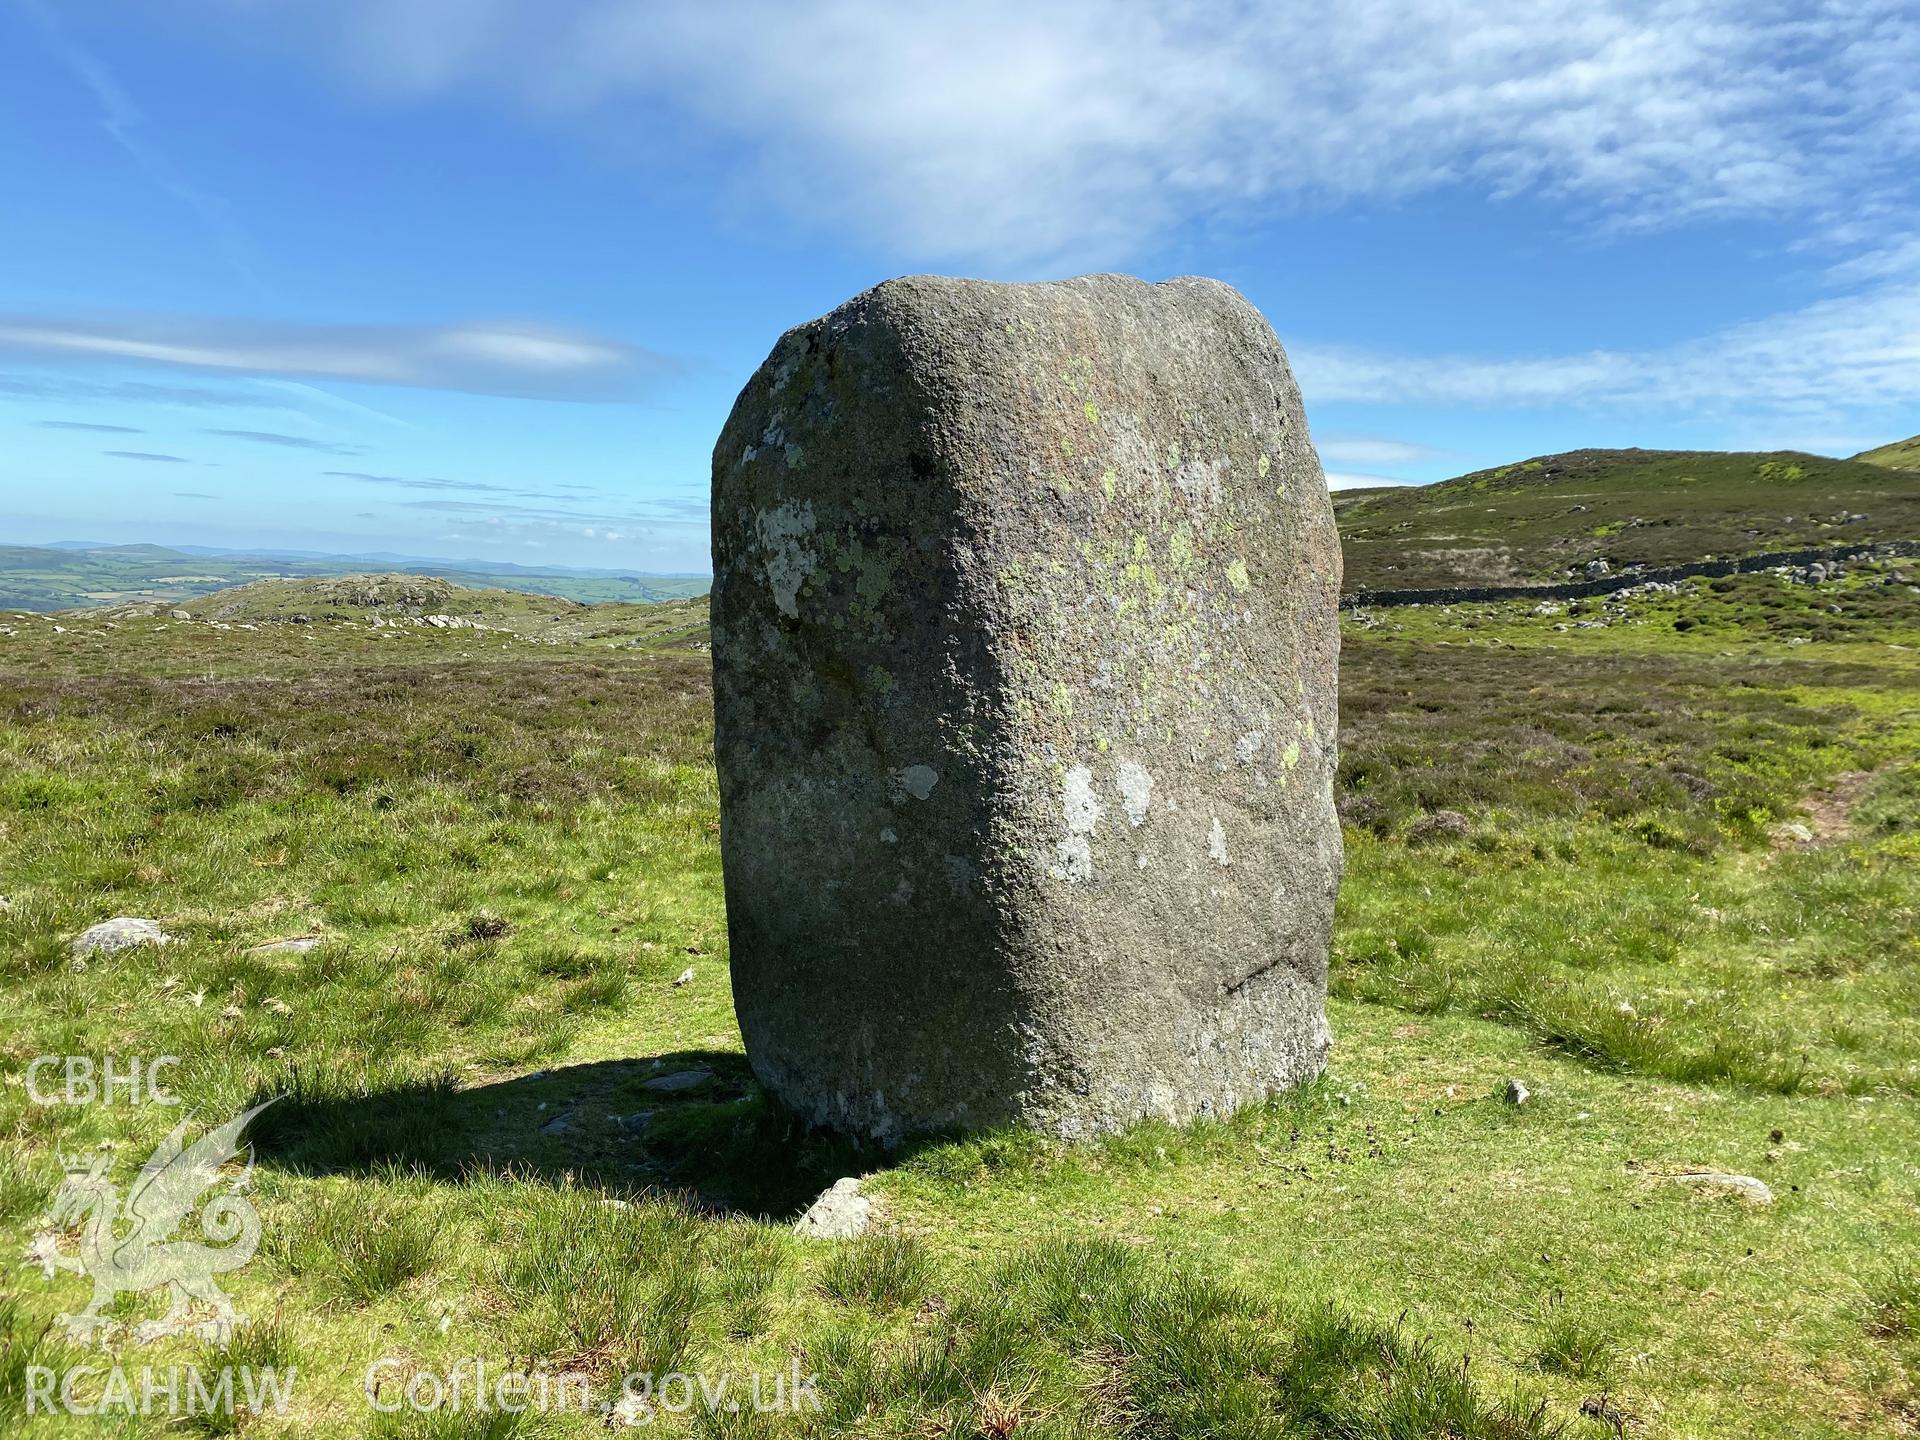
(1024, 641)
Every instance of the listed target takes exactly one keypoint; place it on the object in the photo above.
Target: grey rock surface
(1025, 639)
(123, 932)
(679, 1080)
(841, 1212)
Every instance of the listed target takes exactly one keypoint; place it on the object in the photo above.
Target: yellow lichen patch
(1180, 548)
(1109, 482)
(1092, 412)
(1266, 464)
(1237, 576)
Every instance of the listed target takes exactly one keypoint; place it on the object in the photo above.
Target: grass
(508, 848)
(1900, 455)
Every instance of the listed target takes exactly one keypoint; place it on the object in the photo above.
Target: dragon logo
(148, 1256)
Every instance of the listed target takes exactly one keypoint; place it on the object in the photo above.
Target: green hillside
(1900, 455)
(48, 578)
(1536, 521)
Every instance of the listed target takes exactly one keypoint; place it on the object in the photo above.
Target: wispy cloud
(288, 442)
(1344, 480)
(89, 427)
(193, 495)
(1347, 449)
(122, 119)
(1082, 130)
(148, 456)
(423, 483)
(1849, 354)
(126, 392)
(484, 358)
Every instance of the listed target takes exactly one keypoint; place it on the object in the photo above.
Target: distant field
(1539, 520)
(45, 579)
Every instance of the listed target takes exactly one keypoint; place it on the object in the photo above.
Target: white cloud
(486, 359)
(1849, 355)
(1373, 450)
(1075, 131)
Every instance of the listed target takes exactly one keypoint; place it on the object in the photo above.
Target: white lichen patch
(915, 780)
(783, 533)
(1081, 809)
(1248, 745)
(1217, 843)
(1136, 791)
(1203, 480)
(1079, 804)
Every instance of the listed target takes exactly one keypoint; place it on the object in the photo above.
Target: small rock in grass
(5, 904)
(680, 1080)
(123, 932)
(840, 1213)
(1517, 1092)
(559, 1125)
(1745, 1186)
(685, 978)
(1439, 825)
(1794, 832)
(292, 945)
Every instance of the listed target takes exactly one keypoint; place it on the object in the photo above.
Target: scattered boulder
(123, 932)
(1516, 1092)
(680, 1080)
(841, 1212)
(1745, 1186)
(179, 615)
(1025, 635)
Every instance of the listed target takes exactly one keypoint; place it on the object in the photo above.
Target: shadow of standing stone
(1025, 637)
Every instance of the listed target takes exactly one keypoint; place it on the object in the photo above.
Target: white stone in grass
(840, 1213)
(293, 945)
(1517, 1092)
(1745, 1186)
(685, 978)
(123, 932)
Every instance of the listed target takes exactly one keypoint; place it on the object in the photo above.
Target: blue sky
(482, 277)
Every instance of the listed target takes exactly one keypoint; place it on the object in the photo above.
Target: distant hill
(422, 602)
(1538, 520)
(1900, 455)
(69, 575)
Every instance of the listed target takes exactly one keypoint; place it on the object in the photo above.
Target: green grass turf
(509, 843)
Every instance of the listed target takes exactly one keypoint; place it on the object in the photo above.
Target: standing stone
(1024, 638)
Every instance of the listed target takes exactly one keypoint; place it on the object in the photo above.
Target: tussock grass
(615, 1286)
(359, 1245)
(879, 1271)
